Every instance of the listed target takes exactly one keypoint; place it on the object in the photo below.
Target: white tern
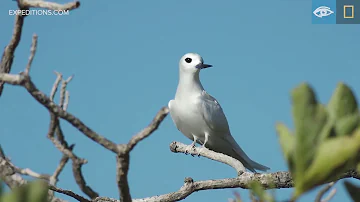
(200, 117)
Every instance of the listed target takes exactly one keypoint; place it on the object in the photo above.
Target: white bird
(200, 117)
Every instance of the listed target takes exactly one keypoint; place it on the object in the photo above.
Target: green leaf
(328, 131)
(31, 192)
(342, 102)
(38, 191)
(331, 160)
(347, 124)
(287, 143)
(16, 195)
(358, 168)
(258, 191)
(309, 119)
(353, 191)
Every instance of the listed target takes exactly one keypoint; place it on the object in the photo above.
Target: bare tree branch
(69, 193)
(9, 174)
(29, 172)
(267, 180)
(62, 145)
(55, 177)
(60, 167)
(32, 53)
(5, 66)
(63, 91)
(80, 180)
(66, 102)
(330, 196)
(149, 129)
(26, 82)
(8, 55)
(177, 147)
(76, 161)
(279, 179)
(50, 5)
(323, 191)
(55, 86)
(123, 158)
(122, 168)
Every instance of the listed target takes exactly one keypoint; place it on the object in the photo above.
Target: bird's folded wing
(213, 114)
(173, 114)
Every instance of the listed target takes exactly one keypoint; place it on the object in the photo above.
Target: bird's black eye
(188, 60)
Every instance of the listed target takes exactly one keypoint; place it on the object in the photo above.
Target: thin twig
(330, 196)
(29, 172)
(64, 159)
(23, 171)
(323, 191)
(50, 5)
(55, 86)
(69, 193)
(80, 180)
(8, 55)
(76, 161)
(62, 145)
(55, 177)
(66, 102)
(63, 91)
(53, 125)
(160, 116)
(32, 54)
(12, 178)
(60, 167)
(26, 82)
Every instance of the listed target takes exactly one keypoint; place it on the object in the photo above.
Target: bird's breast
(190, 121)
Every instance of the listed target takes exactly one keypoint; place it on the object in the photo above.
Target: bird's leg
(205, 141)
(191, 146)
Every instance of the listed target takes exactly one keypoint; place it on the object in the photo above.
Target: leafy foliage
(36, 191)
(315, 151)
(260, 193)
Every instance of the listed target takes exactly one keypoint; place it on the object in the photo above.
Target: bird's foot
(200, 150)
(189, 148)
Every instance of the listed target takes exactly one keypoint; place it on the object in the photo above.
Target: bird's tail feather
(244, 159)
(258, 166)
(248, 163)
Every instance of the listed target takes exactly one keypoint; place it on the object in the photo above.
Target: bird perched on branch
(200, 117)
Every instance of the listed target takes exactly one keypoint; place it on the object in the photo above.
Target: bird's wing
(217, 122)
(213, 114)
(173, 115)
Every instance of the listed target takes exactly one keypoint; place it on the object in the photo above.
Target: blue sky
(124, 55)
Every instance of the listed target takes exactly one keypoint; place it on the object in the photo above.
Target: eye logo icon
(322, 11)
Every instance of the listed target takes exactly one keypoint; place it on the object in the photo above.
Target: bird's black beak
(203, 66)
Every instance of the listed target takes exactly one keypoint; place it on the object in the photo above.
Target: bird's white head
(192, 63)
